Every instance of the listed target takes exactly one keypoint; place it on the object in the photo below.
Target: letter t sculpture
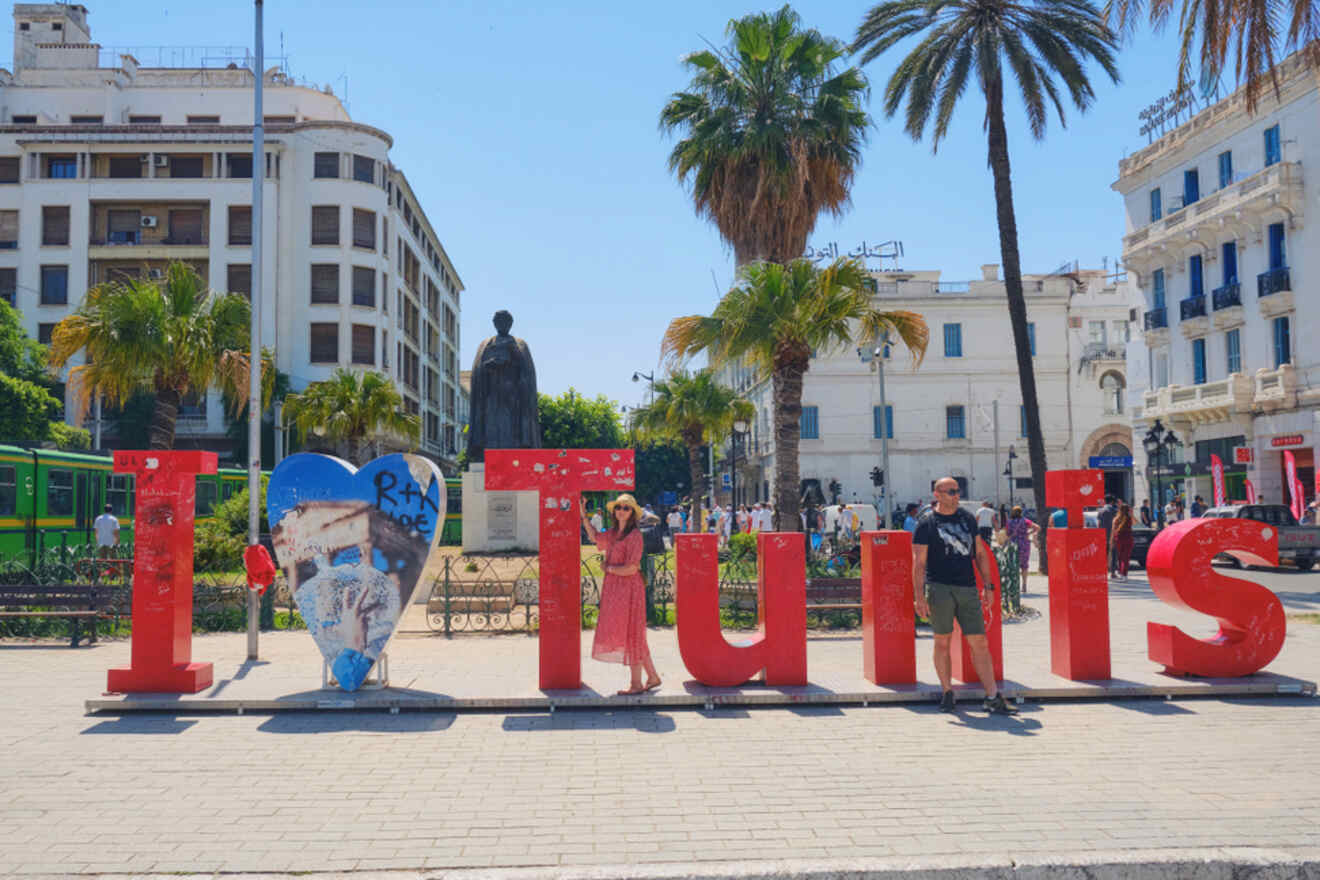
(560, 475)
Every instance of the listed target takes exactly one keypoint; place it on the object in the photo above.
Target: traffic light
(877, 477)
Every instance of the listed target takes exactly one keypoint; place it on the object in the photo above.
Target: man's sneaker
(947, 702)
(997, 706)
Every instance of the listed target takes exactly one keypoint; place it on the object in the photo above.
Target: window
(888, 421)
(144, 120)
(238, 279)
(55, 224)
(119, 494)
(240, 164)
(23, 120)
(1157, 289)
(1191, 186)
(8, 490)
(1229, 251)
(1278, 256)
(186, 166)
(45, 332)
(325, 344)
(278, 120)
(1121, 332)
(54, 285)
(240, 225)
(364, 345)
(1233, 348)
(123, 227)
(810, 423)
(1282, 341)
(953, 340)
(8, 169)
(1111, 389)
(203, 120)
(325, 224)
(61, 167)
(364, 287)
(364, 229)
(1031, 336)
(1195, 275)
(9, 285)
(1096, 332)
(1161, 370)
(325, 165)
(1273, 148)
(59, 492)
(1225, 168)
(185, 226)
(1198, 361)
(8, 230)
(955, 427)
(204, 503)
(86, 120)
(1022, 420)
(364, 168)
(325, 283)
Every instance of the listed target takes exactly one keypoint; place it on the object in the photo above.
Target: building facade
(1217, 238)
(109, 169)
(960, 412)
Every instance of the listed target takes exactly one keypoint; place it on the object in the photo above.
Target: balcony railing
(1192, 307)
(1157, 319)
(1273, 281)
(1227, 296)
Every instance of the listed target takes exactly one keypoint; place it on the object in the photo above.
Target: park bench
(77, 602)
(834, 594)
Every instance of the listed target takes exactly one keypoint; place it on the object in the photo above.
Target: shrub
(742, 546)
(218, 543)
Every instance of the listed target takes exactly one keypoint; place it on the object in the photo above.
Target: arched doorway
(1118, 477)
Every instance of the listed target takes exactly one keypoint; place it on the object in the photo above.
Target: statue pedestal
(496, 522)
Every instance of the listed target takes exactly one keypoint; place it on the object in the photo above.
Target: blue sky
(529, 132)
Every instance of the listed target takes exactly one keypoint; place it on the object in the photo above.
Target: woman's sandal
(631, 692)
(653, 686)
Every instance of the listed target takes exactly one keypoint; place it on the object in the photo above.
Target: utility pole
(994, 409)
(254, 373)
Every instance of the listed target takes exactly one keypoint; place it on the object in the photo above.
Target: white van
(866, 514)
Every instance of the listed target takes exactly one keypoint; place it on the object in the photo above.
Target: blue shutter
(1233, 345)
(810, 423)
(1157, 289)
(1282, 342)
(1156, 205)
(1278, 259)
(1191, 186)
(1225, 168)
(1031, 336)
(954, 427)
(1273, 153)
(1194, 273)
(953, 340)
(1198, 361)
(1229, 251)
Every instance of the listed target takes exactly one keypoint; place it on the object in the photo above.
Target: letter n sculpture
(1079, 580)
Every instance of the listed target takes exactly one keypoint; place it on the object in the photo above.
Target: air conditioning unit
(148, 222)
(162, 161)
(155, 273)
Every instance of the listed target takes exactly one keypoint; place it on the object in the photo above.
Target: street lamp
(1159, 445)
(638, 376)
(1008, 472)
(878, 354)
(740, 427)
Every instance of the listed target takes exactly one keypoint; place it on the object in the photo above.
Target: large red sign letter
(889, 631)
(992, 614)
(1251, 620)
(560, 475)
(780, 645)
(1079, 579)
(163, 573)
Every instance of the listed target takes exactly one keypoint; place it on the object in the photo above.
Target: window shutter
(325, 224)
(55, 224)
(239, 279)
(240, 225)
(364, 287)
(364, 344)
(364, 228)
(325, 344)
(326, 165)
(9, 227)
(325, 283)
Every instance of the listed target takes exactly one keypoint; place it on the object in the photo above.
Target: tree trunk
(695, 476)
(1017, 304)
(787, 390)
(163, 418)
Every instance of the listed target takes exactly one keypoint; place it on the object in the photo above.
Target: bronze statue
(503, 411)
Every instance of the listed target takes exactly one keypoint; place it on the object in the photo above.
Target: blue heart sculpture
(353, 545)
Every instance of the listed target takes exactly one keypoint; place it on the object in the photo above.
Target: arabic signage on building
(1287, 440)
(1110, 462)
(1243, 455)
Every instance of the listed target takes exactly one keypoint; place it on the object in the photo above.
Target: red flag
(1300, 492)
(1251, 492)
(1290, 476)
(1217, 478)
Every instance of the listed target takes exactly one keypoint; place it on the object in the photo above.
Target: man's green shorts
(948, 602)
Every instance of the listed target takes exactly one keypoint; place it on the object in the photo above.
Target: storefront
(1275, 463)
(1115, 461)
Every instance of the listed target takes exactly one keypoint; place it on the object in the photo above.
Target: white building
(109, 167)
(1217, 239)
(943, 415)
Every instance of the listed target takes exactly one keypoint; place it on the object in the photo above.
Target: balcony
(1244, 203)
(1157, 319)
(1200, 404)
(1274, 292)
(1193, 321)
(1227, 302)
(1276, 389)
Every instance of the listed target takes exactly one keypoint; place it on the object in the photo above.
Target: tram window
(119, 494)
(205, 499)
(59, 492)
(8, 491)
(226, 491)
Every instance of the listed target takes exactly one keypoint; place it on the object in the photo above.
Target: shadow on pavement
(139, 725)
(1154, 706)
(357, 722)
(640, 720)
(1013, 725)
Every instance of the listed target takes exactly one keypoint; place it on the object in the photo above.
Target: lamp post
(638, 376)
(1008, 472)
(740, 427)
(878, 354)
(1159, 444)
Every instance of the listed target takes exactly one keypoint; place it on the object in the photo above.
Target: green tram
(50, 498)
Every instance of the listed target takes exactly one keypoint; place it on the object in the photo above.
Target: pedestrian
(754, 520)
(1106, 520)
(621, 625)
(1313, 512)
(1146, 518)
(1198, 507)
(596, 522)
(743, 519)
(1021, 531)
(674, 521)
(1121, 540)
(945, 548)
(985, 522)
(910, 518)
(106, 527)
(1171, 511)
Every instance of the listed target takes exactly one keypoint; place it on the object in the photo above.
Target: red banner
(1290, 477)
(1217, 478)
(1300, 491)
(1251, 492)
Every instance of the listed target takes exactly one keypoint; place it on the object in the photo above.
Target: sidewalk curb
(1211, 863)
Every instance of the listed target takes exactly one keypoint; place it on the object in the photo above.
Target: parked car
(1298, 544)
(1141, 540)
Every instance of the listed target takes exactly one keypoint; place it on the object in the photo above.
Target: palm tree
(1041, 41)
(348, 408)
(777, 317)
(694, 409)
(1246, 30)
(771, 134)
(168, 339)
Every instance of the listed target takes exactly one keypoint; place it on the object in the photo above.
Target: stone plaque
(502, 517)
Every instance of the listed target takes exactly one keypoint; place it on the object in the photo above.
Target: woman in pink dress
(621, 626)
